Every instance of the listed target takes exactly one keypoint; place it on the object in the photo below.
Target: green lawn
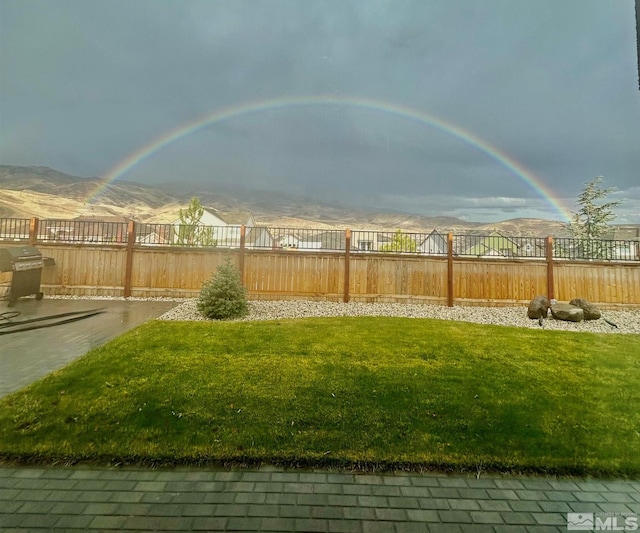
(370, 392)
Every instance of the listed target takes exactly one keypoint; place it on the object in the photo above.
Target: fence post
(550, 283)
(450, 269)
(243, 238)
(33, 231)
(131, 240)
(347, 260)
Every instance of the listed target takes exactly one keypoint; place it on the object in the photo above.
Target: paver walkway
(270, 499)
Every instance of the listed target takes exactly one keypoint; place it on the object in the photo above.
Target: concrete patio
(30, 355)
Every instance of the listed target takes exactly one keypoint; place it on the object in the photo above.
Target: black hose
(73, 317)
(48, 317)
(8, 315)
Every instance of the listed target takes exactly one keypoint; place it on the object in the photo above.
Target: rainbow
(124, 166)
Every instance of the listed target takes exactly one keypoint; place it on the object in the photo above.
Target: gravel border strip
(626, 321)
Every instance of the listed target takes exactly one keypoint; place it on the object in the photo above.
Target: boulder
(591, 312)
(538, 307)
(571, 313)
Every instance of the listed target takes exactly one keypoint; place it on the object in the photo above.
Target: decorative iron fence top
(434, 243)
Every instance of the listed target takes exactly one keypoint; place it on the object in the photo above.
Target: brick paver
(269, 499)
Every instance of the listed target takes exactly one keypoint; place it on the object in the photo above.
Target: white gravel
(627, 321)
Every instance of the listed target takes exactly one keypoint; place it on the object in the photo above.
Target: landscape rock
(591, 312)
(568, 312)
(538, 307)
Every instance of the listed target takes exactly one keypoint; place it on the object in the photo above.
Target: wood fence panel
(375, 278)
(478, 281)
(287, 275)
(95, 270)
(600, 283)
(172, 272)
(84, 270)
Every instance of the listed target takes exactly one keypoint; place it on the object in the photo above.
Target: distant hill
(526, 227)
(47, 193)
(49, 181)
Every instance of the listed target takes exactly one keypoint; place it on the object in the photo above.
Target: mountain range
(37, 191)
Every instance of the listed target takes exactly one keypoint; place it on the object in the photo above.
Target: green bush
(224, 296)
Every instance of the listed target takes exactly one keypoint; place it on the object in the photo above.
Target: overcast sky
(552, 84)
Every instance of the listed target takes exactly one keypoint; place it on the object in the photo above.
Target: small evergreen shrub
(224, 296)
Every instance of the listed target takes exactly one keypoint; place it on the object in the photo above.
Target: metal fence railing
(81, 231)
(303, 239)
(596, 249)
(256, 237)
(399, 242)
(497, 245)
(190, 235)
(14, 229)
(154, 234)
(493, 245)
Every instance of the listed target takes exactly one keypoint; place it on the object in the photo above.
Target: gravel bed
(627, 321)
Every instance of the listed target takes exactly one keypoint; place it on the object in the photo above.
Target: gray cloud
(86, 83)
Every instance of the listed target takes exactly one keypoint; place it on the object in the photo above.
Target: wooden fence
(150, 271)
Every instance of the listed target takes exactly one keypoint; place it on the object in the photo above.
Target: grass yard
(369, 392)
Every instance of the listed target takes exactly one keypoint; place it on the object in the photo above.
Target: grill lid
(13, 255)
(20, 253)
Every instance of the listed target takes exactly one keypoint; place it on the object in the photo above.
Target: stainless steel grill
(26, 264)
